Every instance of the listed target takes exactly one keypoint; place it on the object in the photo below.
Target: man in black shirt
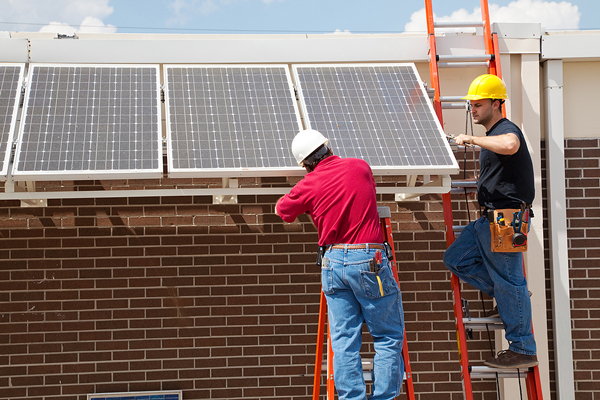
(506, 181)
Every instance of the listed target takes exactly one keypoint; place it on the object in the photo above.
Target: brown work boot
(510, 359)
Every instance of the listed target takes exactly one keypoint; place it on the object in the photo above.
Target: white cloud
(58, 27)
(95, 25)
(551, 15)
(185, 10)
(61, 13)
(89, 25)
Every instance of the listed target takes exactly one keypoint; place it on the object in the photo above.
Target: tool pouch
(509, 229)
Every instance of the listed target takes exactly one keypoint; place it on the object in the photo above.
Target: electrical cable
(147, 28)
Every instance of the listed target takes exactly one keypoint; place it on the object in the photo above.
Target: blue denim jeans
(353, 296)
(499, 275)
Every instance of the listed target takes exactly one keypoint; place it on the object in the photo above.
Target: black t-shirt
(505, 181)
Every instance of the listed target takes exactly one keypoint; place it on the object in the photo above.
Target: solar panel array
(11, 78)
(90, 121)
(239, 119)
(379, 113)
(96, 122)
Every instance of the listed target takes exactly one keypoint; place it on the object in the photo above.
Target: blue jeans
(353, 296)
(499, 275)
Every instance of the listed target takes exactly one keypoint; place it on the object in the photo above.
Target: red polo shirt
(339, 195)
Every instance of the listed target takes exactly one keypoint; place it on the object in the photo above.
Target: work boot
(510, 359)
(493, 313)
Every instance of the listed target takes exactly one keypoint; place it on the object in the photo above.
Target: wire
(194, 29)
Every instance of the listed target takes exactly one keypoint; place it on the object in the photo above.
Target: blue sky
(278, 16)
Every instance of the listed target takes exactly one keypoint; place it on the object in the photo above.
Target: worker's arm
(276, 204)
(506, 144)
(290, 206)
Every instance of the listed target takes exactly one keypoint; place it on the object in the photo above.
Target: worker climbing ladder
(463, 321)
(386, 227)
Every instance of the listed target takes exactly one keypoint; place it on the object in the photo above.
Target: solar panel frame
(106, 130)
(226, 101)
(345, 115)
(9, 103)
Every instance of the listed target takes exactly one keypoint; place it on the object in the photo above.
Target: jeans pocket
(326, 276)
(370, 284)
(375, 288)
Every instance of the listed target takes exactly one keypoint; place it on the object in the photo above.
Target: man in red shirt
(339, 195)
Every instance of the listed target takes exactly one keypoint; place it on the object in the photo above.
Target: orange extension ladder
(386, 227)
(491, 59)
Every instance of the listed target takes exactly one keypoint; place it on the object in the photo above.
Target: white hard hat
(306, 142)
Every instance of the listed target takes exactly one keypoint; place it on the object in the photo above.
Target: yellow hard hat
(486, 86)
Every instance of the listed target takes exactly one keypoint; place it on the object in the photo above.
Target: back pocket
(326, 276)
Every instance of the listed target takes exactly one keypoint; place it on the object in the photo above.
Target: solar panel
(85, 121)
(11, 78)
(230, 120)
(380, 113)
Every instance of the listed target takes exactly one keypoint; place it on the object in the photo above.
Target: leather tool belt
(509, 228)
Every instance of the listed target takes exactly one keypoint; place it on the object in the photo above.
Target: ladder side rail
(461, 338)
(433, 67)
(495, 66)
(386, 227)
(319, 350)
(330, 378)
(533, 381)
(534, 384)
(487, 31)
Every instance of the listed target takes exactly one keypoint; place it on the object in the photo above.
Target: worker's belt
(363, 246)
(357, 246)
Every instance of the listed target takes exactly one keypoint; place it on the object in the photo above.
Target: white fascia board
(519, 46)
(13, 50)
(571, 46)
(234, 49)
(517, 30)
(518, 38)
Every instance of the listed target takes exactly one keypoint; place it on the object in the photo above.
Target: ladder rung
(367, 364)
(482, 324)
(452, 98)
(368, 375)
(463, 184)
(474, 24)
(464, 64)
(464, 57)
(488, 372)
(462, 190)
(455, 106)
(458, 228)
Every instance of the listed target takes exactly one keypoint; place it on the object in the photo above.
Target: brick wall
(582, 162)
(100, 295)
(221, 301)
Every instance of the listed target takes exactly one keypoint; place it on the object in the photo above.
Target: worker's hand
(463, 139)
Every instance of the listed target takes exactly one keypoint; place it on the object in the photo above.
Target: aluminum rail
(90, 194)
